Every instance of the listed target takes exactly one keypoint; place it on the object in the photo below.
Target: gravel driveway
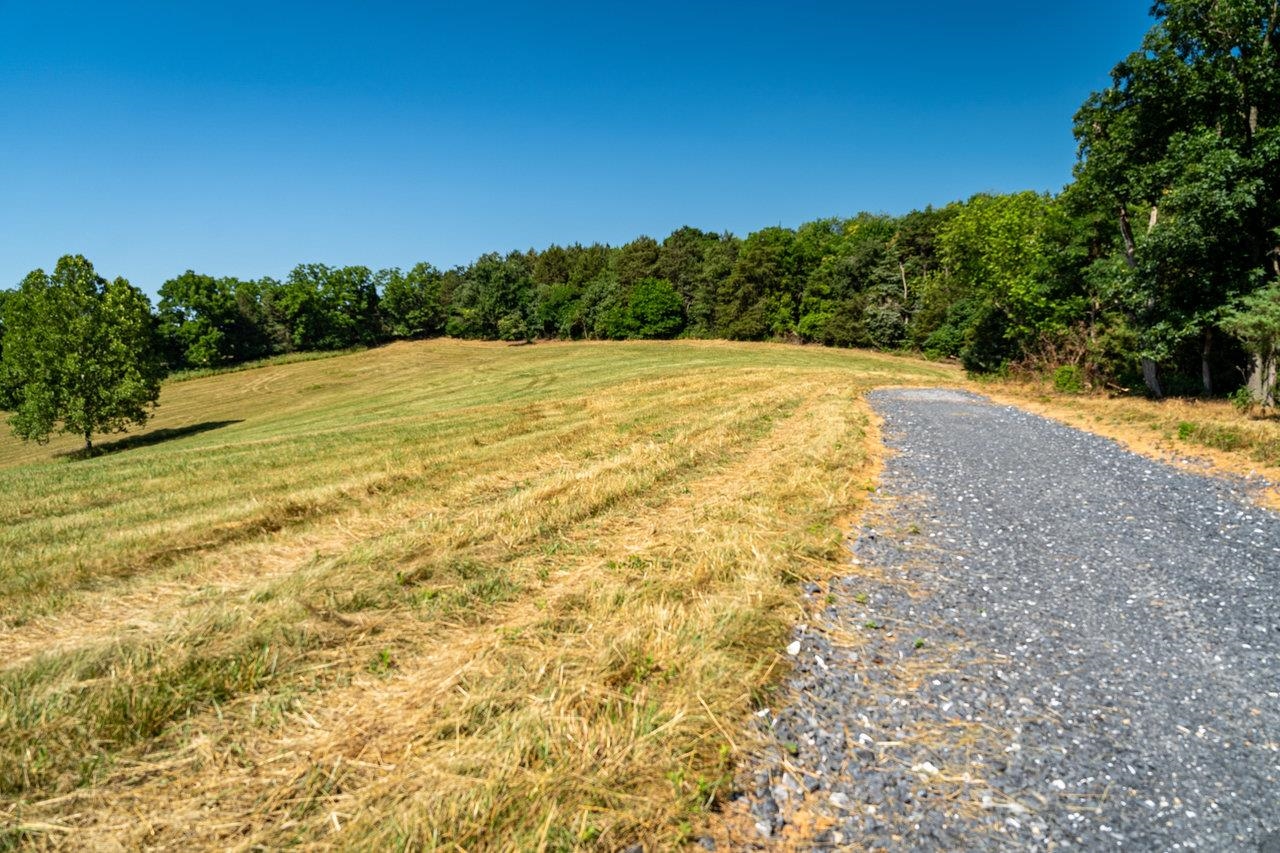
(1044, 642)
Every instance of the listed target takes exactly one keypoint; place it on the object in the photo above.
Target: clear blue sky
(241, 138)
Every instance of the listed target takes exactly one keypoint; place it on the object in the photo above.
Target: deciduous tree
(1184, 149)
(413, 303)
(80, 354)
(210, 321)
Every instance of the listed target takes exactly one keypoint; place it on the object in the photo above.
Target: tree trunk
(1263, 379)
(88, 442)
(903, 271)
(1151, 376)
(1126, 232)
(1149, 373)
(1206, 375)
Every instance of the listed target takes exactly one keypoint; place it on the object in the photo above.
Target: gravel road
(1044, 642)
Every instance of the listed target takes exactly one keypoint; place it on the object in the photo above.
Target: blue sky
(243, 138)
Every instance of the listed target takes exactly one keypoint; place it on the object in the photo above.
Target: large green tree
(494, 299)
(656, 309)
(636, 260)
(209, 321)
(81, 354)
(327, 308)
(1184, 150)
(999, 290)
(413, 303)
(682, 261)
(760, 297)
(1256, 322)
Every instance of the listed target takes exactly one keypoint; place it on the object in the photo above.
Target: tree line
(1157, 267)
(996, 280)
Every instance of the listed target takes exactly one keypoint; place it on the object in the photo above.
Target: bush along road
(1043, 642)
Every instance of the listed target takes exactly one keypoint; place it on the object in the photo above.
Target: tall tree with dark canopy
(327, 308)
(637, 260)
(413, 304)
(81, 354)
(205, 321)
(1184, 149)
(493, 299)
(756, 300)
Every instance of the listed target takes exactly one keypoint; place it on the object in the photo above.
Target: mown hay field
(437, 595)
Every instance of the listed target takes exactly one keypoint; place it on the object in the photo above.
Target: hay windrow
(540, 595)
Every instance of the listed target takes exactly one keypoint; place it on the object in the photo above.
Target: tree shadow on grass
(145, 439)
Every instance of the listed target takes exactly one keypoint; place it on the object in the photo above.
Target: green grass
(287, 358)
(434, 593)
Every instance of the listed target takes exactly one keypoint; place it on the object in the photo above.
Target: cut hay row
(524, 597)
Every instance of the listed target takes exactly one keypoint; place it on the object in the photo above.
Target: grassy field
(435, 595)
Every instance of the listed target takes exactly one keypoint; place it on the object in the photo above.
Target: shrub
(656, 309)
(512, 327)
(1243, 399)
(945, 341)
(1068, 379)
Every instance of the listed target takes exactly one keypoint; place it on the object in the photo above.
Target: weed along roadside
(434, 594)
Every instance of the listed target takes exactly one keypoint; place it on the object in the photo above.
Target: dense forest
(1157, 268)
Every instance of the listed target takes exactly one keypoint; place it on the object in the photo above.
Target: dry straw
(435, 596)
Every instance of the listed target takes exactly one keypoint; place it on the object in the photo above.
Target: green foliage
(684, 259)
(7, 398)
(656, 309)
(208, 322)
(1255, 320)
(490, 291)
(611, 316)
(636, 261)
(1181, 150)
(413, 304)
(945, 342)
(329, 308)
(988, 346)
(1217, 436)
(759, 297)
(512, 327)
(1068, 379)
(81, 354)
(558, 310)
(1243, 399)
(1000, 250)
(885, 324)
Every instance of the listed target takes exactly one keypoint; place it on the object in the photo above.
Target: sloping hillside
(438, 593)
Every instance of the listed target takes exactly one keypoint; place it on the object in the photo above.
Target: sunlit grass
(436, 594)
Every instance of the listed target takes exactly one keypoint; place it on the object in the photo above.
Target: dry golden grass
(437, 595)
(962, 751)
